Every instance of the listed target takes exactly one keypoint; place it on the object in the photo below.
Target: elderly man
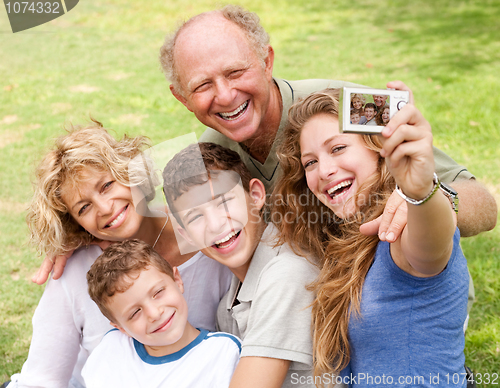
(379, 101)
(225, 78)
(220, 66)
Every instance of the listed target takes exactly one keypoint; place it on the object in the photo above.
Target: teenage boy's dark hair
(371, 105)
(117, 267)
(177, 175)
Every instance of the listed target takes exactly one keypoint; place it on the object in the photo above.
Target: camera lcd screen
(367, 111)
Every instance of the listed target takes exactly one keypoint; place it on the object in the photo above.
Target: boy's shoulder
(119, 347)
(114, 349)
(119, 361)
(114, 339)
(221, 336)
(270, 263)
(223, 342)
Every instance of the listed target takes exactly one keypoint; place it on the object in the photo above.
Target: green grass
(102, 59)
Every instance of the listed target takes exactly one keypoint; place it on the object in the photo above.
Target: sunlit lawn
(101, 59)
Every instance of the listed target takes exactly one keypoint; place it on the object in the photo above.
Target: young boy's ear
(180, 230)
(185, 234)
(178, 279)
(119, 328)
(257, 192)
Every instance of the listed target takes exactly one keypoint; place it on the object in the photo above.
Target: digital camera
(367, 111)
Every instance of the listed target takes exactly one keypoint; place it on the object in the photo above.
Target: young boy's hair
(117, 267)
(178, 173)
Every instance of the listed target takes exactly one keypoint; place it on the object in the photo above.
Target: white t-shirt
(67, 324)
(120, 361)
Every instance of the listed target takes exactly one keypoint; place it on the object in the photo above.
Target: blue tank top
(410, 333)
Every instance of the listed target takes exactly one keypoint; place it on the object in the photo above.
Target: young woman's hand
(391, 223)
(407, 149)
(400, 85)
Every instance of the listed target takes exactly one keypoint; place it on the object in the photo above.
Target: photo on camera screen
(367, 111)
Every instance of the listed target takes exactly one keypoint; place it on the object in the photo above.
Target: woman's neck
(159, 233)
(167, 245)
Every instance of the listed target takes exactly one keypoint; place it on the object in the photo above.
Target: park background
(102, 59)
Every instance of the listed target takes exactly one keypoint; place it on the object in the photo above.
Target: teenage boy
(153, 344)
(267, 305)
(370, 111)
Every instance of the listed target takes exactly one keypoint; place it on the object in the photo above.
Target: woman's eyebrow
(324, 144)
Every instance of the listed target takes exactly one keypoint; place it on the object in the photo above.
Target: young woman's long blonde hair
(53, 229)
(344, 254)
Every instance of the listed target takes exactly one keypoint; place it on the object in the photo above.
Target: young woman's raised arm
(426, 243)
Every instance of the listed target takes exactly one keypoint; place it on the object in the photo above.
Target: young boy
(370, 111)
(355, 117)
(267, 305)
(153, 344)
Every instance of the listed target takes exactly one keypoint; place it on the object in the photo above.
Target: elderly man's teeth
(341, 185)
(234, 114)
(227, 238)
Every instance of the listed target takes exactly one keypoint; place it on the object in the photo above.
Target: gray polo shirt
(271, 312)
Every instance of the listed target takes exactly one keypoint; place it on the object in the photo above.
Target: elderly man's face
(223, 81)
(379, 100)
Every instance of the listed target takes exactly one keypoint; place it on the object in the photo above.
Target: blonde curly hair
(53, 229)
(359, 97)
